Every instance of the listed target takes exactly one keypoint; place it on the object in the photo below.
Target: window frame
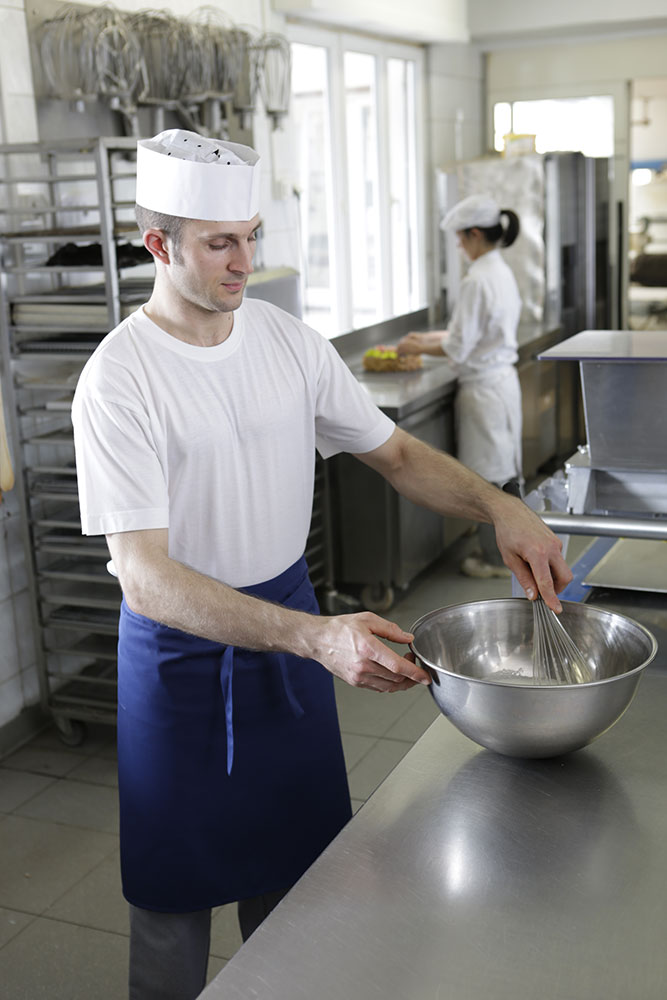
(336, 43)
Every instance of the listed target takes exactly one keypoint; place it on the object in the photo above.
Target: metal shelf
(82, 620)
(66, 235)
(73, 595)
(77, 572)
(75, 601)
(92, 646)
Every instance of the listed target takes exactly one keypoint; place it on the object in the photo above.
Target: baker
(196, 424)
(481, 344)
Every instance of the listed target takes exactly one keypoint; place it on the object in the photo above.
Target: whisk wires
(556, 657)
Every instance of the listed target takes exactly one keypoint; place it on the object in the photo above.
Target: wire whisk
(556, 657)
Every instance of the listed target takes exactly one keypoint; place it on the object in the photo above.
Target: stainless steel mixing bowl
(480, 658)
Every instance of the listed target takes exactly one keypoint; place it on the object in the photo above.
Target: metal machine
(616, 485)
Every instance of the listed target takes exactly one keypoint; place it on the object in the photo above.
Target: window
(310, 108)
(357, 113)
(580, 124)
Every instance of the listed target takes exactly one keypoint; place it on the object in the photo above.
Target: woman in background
(481, 343)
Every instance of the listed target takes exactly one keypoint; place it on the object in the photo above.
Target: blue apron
(231, 771)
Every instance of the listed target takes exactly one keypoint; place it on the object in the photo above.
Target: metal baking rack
(52, 317)
(76, 194)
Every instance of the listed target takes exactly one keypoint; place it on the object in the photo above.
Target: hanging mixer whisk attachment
(556, 657)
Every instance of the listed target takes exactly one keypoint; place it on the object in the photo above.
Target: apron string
(226, 675)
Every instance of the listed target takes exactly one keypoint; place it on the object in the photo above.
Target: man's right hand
(350, 647)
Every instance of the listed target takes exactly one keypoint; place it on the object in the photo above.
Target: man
(196, 423)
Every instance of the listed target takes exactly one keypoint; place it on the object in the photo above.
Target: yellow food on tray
(387, 359)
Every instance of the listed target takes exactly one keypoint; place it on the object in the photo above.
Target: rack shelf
(51, 319)
(78, 192)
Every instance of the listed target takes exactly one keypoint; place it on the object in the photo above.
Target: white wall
(18, 672)
(512, 18)
(648, 125)
(456, 102)
(579, 68)
(431, 21)
(455, 122)
(18, 117)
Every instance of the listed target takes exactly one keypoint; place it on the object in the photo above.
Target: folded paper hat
(477, 210)
(185, 174)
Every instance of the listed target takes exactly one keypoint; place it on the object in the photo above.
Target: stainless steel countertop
(469, 876)
(401, 393)
(611, 345)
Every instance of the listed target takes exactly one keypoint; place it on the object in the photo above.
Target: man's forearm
(167, 591)
(175, 595)
(439, 482)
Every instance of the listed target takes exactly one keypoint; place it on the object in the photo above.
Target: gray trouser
(169, 951)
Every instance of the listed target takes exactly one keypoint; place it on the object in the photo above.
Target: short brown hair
(171, 225)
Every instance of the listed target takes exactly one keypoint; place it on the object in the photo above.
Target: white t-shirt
(482, 330)
(217, 444)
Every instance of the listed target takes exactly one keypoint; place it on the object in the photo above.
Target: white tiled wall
(17, 101)
(456, 102)
(18, 669)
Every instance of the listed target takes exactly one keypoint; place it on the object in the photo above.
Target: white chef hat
(479, 210)
(185, 174)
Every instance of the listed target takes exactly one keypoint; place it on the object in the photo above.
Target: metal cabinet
(382, 540)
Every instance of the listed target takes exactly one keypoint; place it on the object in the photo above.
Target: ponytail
(511, 228)
(503, 234)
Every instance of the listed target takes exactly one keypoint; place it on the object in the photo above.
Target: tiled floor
(63, 920)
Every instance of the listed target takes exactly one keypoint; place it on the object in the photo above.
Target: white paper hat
(185, 174)
(477, 210)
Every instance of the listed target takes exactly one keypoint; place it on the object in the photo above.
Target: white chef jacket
(482, 331)
(482, 345)
(217, 444)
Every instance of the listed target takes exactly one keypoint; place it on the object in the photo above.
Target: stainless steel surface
(480, 656)
(401, 394)
(626, 416)
(469, 876)
(617, 491)
(603, 524)
(384, 540)
(632, 564)
(624, 384)
(610, 345)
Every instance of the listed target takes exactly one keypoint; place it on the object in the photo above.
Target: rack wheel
(72, 732)
(377, 596)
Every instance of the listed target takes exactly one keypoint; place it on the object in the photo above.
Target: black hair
(503, 234)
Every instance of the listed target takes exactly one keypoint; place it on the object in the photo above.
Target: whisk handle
(513, 487)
